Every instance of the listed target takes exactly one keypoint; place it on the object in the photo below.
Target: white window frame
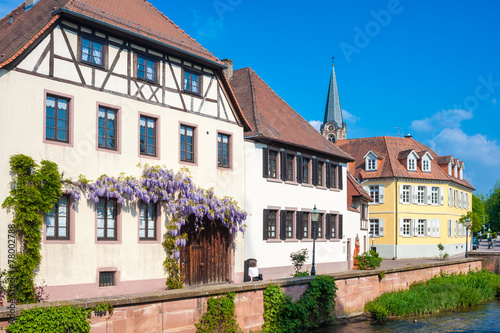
(421, 195)
(406, 194)
(412, 164)
(421, 228)
(406, 227)
(434, 195)
(376, 193)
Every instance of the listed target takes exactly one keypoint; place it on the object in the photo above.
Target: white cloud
(316, 124)
(349, 117)
(494, 101)
(442, 119)
(477, 148)
(206, 26)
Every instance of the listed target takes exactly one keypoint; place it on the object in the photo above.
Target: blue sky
(429, 68)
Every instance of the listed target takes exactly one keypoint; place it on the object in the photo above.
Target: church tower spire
(333, 127)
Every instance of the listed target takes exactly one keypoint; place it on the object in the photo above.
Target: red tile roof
(355, 190)
(391, 166)
(134, 16)
(273, 119)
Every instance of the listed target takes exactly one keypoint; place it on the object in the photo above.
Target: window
(106, 279)
(223, 150)
(426, 165)
(333, 172)
(191, 82)
(406, 193)
(57, 220)
(434, 195)
(106, 137)
(406, 227)
(456, 198)
(411, 164)
(289, 224)
(305, 225)
(374, 227)
(106, 219)
(147, 221)
(273, 164)
(187, 144)
(289, 167)
(146, 68)
(371, 164)
(305, 170)
(57, 118)
(319, 227)
(92, 52)
(147, 136)
(374, 193)
(421, 194)
(271, 226)
(320, 173)
(421, 227)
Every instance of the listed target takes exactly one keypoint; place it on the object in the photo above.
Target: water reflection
(481, 318)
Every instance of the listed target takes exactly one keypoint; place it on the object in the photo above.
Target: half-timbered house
(290, 169)
(98, 87)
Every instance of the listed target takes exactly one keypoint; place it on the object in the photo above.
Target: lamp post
(467, 225)
(314, 220)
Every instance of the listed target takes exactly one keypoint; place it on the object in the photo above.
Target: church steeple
(333, 127)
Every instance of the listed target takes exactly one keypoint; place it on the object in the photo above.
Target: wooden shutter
(266, 224)
(413, 194)
(265, 162)
(283, 224)
(341, 180)
(428, 190)
(438, 227)
(428, 228)
(340, 227)
(441, 194)
(283, 164)
(300, 231)
(412, 227)
(328, 228)
(400, 227)
(400, 193)
(300, 171)
(449, 228)
(328, 167)
(380, 194)
(314, 171)
(381, 227)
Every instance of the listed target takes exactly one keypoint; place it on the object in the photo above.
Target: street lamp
(314, 220)
(467, 225)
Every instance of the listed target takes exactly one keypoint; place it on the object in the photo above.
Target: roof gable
(273, 119)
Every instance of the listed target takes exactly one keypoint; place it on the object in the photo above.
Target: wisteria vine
(181, 197)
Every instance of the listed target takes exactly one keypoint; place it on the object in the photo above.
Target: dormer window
(412, 164)
(371, 161)
(449, 169)
(455, 171)
(426, 162)
(461, 174)
(426, 166)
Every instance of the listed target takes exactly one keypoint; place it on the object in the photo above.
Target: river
(480, 318)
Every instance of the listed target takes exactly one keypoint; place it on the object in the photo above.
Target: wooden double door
(205, 258)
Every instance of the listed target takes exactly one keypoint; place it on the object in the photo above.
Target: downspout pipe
(396, 221)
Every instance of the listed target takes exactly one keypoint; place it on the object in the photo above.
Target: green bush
(219, 316)
(314, 308)
(378, 312)
(298, 259)
(441, 293)
(368, 260)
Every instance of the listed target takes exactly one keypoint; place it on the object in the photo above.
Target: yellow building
(418, 196)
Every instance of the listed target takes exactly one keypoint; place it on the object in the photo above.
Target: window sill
(154, 157)
(293, 240)
(291, 182)
(307, 185)
(334, 240)
(334, 189)
(143, 79)
(321, 187)
(274, 180)
(273, 240)
(194, 94)
(92, 64)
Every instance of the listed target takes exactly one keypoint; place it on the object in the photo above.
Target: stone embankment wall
(178, 310)
(491, 260)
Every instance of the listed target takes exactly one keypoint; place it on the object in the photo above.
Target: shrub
(219, 316)
(298, 259)
(368, 260)
(378, 313)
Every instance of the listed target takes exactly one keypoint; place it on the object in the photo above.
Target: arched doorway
(205, 258)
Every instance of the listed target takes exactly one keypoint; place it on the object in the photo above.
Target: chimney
(229, 70)
(408, 136)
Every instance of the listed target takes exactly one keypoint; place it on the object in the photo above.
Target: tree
(476, 215)
(492, 207)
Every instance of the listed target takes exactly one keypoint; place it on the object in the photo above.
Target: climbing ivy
(314, 308)
(59, 319)
(219, 316)
(34, 190)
